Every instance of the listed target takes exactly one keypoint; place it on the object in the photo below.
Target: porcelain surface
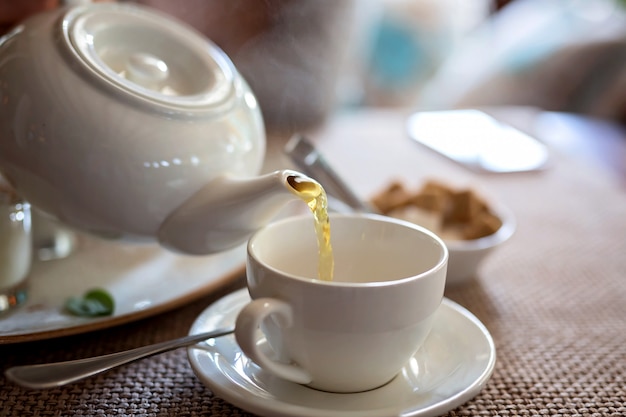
(143, 280)
(96, 135)
(455, 362)
(466, 256)
(388, 281)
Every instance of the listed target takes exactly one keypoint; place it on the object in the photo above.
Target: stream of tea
(314, 196)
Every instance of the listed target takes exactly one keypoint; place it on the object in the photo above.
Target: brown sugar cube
(430, 201)
(483, 225)
(394, 196)
(464, 207)
(435, 187)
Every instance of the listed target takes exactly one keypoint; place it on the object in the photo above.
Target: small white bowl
(465, 256)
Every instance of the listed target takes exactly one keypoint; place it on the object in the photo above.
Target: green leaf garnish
(95, 303)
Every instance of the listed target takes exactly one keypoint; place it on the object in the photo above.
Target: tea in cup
(356, 332)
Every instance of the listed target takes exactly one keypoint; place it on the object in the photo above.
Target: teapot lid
(148, 56)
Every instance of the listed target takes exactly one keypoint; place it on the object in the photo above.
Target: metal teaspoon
(49, 375)
(310, 161)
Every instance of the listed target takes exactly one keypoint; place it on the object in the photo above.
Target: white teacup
(354, 333)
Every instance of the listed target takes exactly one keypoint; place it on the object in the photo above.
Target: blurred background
(308, 58)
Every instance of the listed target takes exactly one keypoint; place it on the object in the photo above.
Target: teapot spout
(226, 211)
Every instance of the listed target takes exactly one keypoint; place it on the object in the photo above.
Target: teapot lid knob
(147, 70)
(148, 56)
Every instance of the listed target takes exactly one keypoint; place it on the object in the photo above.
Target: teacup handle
(249, 321)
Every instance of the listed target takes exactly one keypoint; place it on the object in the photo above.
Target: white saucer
(144, 280)
(454, 364)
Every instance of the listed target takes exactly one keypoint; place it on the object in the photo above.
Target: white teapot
(120, 121)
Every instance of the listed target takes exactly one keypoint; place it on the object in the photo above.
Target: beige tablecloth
(554, 297)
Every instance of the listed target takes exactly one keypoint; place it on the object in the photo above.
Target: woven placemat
(554, 299)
